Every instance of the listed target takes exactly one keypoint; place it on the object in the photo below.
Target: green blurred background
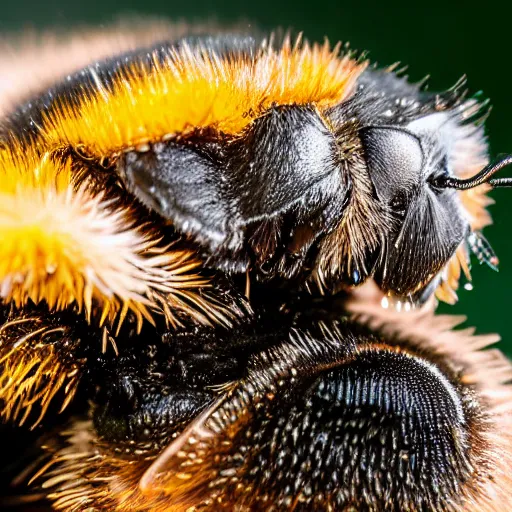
(441, 38)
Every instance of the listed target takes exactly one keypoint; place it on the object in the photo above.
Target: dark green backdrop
(436, 37)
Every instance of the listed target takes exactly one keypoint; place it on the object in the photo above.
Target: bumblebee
(219, 262)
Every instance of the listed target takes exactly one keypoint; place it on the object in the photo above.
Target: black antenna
(484, 176)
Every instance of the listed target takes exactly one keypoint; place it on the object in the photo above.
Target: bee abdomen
(384, 431)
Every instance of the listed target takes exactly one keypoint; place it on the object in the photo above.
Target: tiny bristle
(37, 364)
(423, 83)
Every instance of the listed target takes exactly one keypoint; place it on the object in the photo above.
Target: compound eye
(395, 160)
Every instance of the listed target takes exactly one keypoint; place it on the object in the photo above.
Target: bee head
(408, 167)
(419, 216)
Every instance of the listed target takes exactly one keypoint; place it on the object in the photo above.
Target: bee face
(406, 165)
(406, 144)
(181, 226)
